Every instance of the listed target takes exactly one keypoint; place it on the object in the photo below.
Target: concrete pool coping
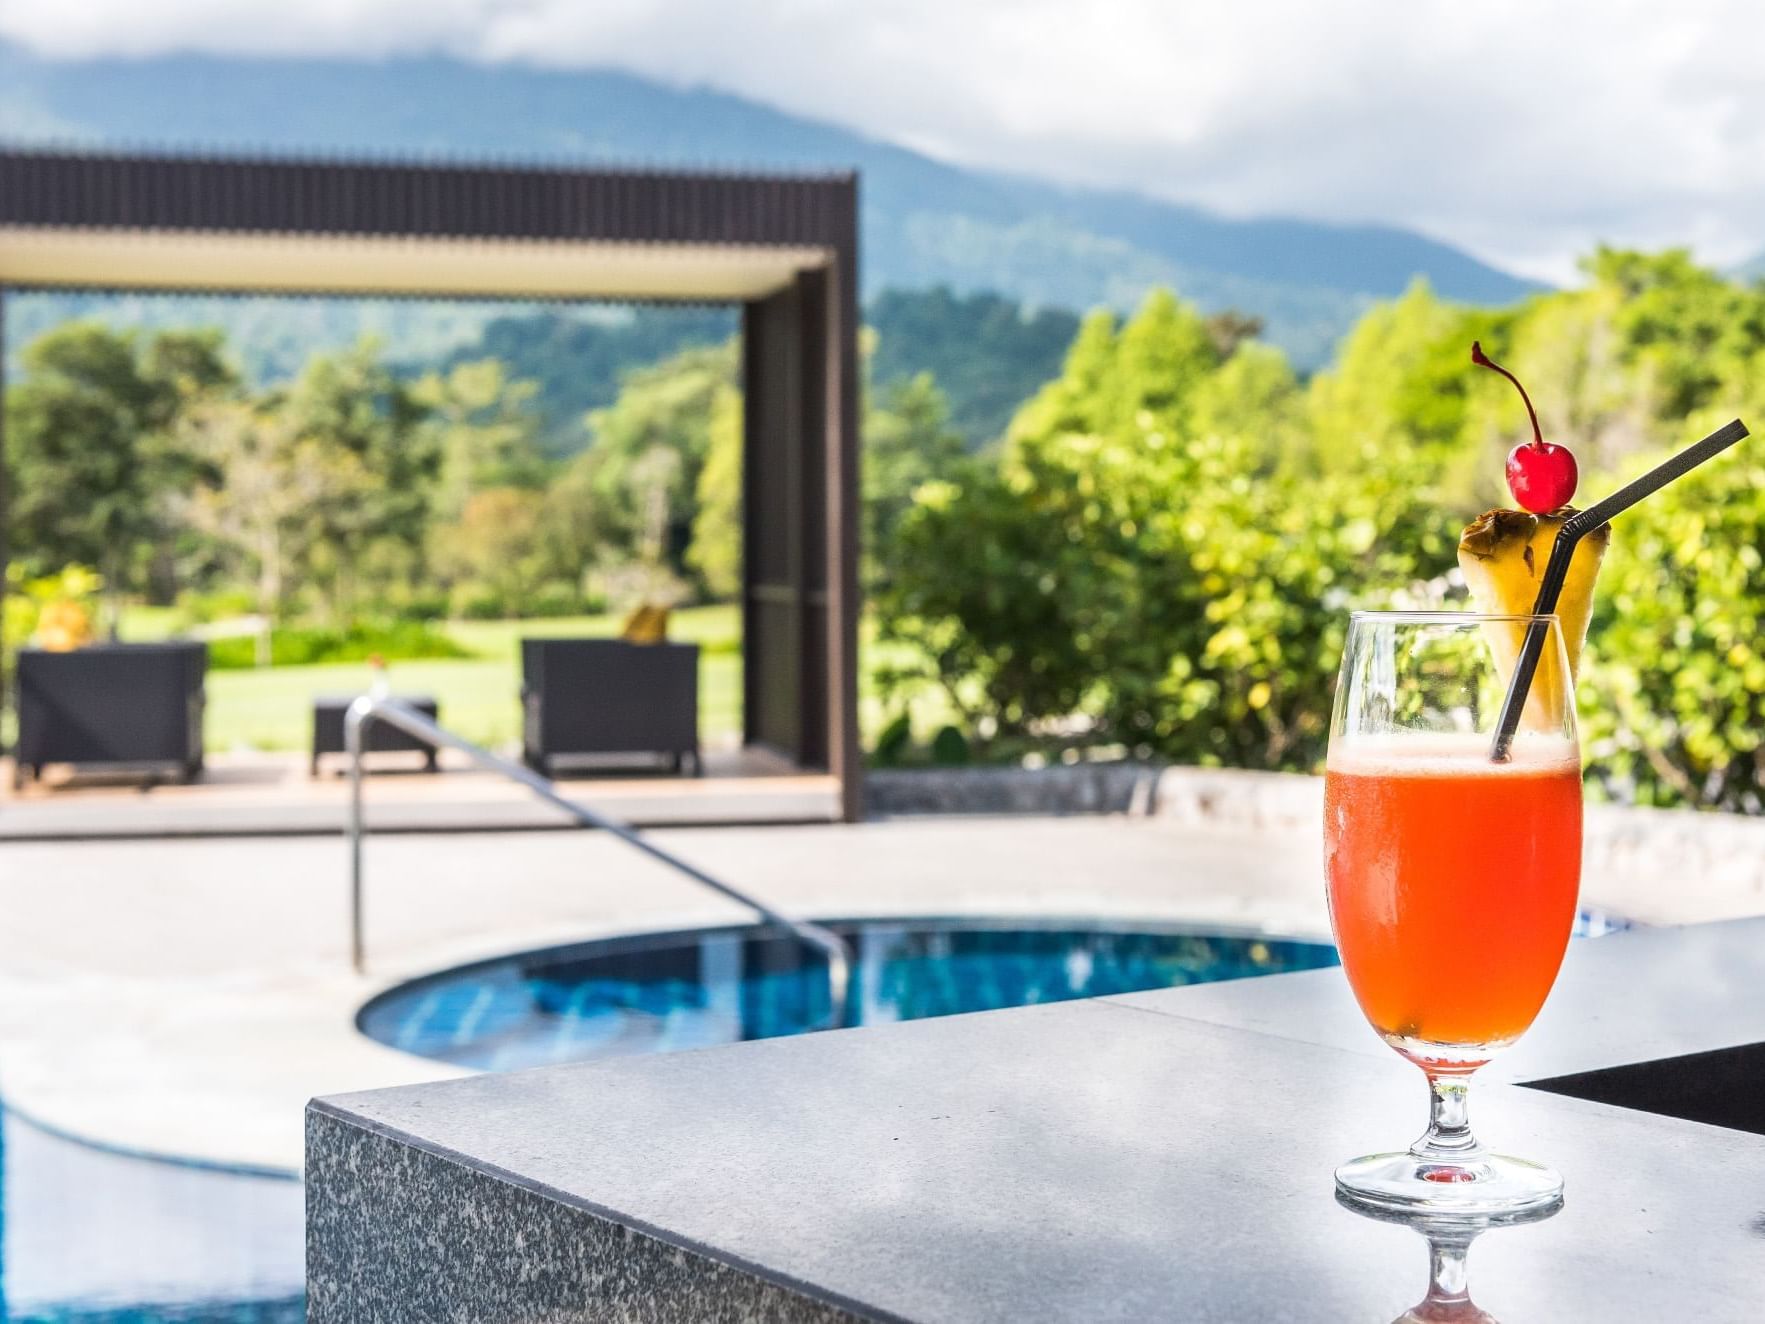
(1161, 1155)
(185, 998)
(160, 1016)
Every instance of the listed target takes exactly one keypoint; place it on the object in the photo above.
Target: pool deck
(257, 794)
(187, 997)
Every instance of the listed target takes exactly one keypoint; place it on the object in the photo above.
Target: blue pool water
(91, 1237)
(665, 992)
(661, 993)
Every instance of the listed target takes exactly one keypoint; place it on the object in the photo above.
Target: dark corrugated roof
(153, 191)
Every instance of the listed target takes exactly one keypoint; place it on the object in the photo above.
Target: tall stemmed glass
(1452, 876)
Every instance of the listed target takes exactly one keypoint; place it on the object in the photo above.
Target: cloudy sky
(1524, 132)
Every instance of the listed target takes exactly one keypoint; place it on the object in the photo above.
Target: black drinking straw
(1556, 570)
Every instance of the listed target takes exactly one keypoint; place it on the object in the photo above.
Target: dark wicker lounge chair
(607, 696)
(111, 704)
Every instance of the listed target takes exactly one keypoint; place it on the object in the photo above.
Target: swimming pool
(92, 1237)
(671, 991)
(664, 992)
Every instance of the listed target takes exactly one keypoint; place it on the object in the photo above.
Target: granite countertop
(1158, 1156)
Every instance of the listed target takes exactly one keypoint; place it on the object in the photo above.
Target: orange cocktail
(1453, 884)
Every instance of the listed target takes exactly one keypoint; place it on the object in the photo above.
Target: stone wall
(1664, 865)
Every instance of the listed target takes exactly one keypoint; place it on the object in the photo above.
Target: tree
(1673, 690)
(486, 429)
(1388, 387)
(716, 551)
(1165, 352)
(1138, 565)
(1230, 328)
(1071, 402)
(254, 497)
(360, 432)
(579, 358)
(987, 353)
(908, 441)
(92, 450)
(495, 545)
(1146, 375)
(602, 510)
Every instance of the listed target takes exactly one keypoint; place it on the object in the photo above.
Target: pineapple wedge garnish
(1503, 554)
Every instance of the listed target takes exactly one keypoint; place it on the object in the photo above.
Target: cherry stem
(1483, 360)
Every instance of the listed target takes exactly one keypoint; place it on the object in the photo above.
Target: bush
(1167, 596)
(893, 742)
(200, 608)
(1165, 551)
(479, 602)
(474, 601)
(950, 747)
(426, 605)
(305, 646)
(556, 598)
(1673, 693)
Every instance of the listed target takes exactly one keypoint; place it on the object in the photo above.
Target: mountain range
(925, 222)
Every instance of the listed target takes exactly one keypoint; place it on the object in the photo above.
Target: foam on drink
(1451, 754)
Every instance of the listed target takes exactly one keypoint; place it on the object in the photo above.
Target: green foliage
(1673, 695)
(629, 498)
(321, 492)
(988, 353)
(27, 595)
(1071, 401)
(1164, 554)
(949, 747)
(477, 601)
(1159, 555)
(90, 451)
(1139, 564)
(485, 427)
(293, 647)
(359, 430)
(493, 549)
(556, 597)
(220, 604)
(716, 550)
(892, 742)
(907, 442)
(578, 363)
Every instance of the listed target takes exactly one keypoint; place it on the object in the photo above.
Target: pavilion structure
(785, 248)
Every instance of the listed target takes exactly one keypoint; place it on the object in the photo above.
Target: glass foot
(1476, 1186)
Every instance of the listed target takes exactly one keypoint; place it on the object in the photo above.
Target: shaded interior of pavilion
(794, 756)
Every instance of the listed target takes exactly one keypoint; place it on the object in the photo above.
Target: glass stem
(1449, 1138)
(1446, 1270)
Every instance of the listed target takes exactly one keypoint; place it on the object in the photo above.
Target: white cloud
(1525, 132)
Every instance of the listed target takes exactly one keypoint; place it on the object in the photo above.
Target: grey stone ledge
(1081, 1161)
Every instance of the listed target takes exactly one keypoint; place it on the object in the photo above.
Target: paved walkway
(187, 997)
(275, 794)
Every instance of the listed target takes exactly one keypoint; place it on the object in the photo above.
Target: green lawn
(271, 708)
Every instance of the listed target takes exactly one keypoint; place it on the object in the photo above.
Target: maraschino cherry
(1541, 474)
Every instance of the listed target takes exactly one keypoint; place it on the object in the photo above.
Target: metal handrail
(394, 712)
